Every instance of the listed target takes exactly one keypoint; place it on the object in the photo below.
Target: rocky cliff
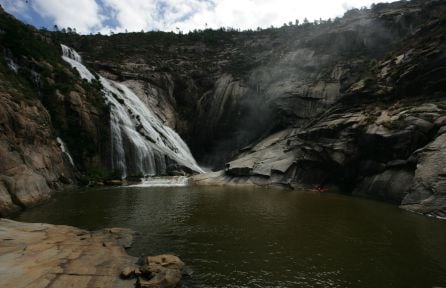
(223, 90)
(384, 136)
(43, 101)
(356, 102)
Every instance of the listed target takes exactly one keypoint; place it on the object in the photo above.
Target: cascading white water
(64, 149)
(174, 181)
(141, 144)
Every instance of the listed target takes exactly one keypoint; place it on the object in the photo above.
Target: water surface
(234, 237)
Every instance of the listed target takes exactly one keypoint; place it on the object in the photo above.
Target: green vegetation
(40, 74)
(25, 40)
(17, 86)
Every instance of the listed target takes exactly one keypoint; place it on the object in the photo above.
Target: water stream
(141, 144)
(64, 149)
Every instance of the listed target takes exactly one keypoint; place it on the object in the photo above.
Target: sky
(92, 16)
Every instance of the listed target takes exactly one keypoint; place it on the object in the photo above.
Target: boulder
(7, 205)
(166, 271)
(27, 187)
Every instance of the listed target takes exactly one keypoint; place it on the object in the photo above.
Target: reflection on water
(266, 238)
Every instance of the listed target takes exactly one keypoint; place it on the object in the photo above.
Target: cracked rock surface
(43, 255)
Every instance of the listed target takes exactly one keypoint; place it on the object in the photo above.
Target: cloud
(84, 15)
(14, 6)
(136, 15)
(247, 14)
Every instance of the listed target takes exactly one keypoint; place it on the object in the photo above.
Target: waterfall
(141, 144)
(64, 149)
(175, 181)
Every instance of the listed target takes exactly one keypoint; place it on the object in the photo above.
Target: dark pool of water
(266, 238)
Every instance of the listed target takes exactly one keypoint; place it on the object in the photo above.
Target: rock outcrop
(384, 138)
(43, 255)
(166, 271)
(223, 90)
(42, 102)
(32, 163)
(356, 102)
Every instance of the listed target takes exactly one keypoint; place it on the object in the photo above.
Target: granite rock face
(44, 255)
(223, 90)
(46, 111)
(384, 138)
(428, 192)
(32, 162)
(357, 103)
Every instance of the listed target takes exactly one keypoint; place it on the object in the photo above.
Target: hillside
(357, 103)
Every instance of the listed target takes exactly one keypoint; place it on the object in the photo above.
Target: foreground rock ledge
(43, 255)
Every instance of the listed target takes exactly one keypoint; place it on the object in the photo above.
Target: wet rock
(166, 271)
(114, 182)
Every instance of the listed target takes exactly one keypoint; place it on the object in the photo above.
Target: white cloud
(135, 15)
(84, 15)
(246, 14)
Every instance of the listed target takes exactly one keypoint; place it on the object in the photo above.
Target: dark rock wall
(383, 138)
(223, 90)
(357, 102)
(42, 98)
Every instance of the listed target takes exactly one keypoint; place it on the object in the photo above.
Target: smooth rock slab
(43, 255)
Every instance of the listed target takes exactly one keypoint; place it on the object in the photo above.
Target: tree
(56, 28)
(297, 22)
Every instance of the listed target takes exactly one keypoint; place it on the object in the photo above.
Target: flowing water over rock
(173, 181)
(141, 144)
(265, 237)
(64, 149)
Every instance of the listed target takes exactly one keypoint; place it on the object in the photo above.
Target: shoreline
(46, 255)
